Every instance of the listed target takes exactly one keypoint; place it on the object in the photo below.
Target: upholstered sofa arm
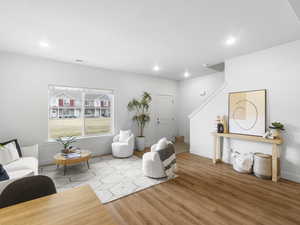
(30, 151)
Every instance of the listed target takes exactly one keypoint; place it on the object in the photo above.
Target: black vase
(220, 128)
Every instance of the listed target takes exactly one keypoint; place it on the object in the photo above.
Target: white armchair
(152, 165)
(123, 149)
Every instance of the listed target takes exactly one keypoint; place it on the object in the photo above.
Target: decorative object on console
(247, 112)
(220, 126)
(142, 117)
(276, 129)
(66, 142)
(225, 124)
(268, 135)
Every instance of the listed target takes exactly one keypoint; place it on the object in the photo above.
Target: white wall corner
(290, 176)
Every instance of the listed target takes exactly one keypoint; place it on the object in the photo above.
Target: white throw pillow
(8, 153)
(124, 135)
(161, 144)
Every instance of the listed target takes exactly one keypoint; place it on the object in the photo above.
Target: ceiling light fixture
(156, 68)
(186, 74)
(79, 60)
(230, 41)
(44, 44)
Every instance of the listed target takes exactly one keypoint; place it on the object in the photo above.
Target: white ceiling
(134, 35)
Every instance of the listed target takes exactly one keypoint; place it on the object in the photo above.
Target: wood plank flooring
(210, 194)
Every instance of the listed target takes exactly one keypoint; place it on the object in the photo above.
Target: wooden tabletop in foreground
(77, 206)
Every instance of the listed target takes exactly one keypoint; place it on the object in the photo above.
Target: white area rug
(109, 177)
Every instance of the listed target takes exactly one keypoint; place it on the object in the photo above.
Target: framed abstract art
(247, 112)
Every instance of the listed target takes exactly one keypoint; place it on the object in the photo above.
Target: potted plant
(276, 128)
(66, 142)
(141, 116)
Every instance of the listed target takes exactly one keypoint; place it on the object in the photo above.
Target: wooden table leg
(275, 156)
(218, 149)
(215, 150)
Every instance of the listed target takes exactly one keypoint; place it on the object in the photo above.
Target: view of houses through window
(79, 111)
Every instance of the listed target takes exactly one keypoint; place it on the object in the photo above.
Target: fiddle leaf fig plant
(141, 109)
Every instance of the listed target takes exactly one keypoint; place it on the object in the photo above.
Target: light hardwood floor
(207, 194)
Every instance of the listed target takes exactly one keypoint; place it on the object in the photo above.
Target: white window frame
(83, 93)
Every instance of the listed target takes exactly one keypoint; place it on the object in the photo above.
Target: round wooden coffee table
(60, 159)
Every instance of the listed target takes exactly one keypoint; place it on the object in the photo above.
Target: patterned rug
(109, 177)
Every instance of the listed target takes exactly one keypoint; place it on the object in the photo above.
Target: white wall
(24, 98)
(277, 70)
(190, 98)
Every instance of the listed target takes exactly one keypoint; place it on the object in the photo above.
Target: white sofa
(152, 165)
(27, 165)
(123, 149)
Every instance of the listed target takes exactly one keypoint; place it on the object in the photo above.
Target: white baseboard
(290, 176)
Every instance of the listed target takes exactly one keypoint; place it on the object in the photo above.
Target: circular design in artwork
(249, 110)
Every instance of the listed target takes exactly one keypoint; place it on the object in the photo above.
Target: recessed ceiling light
(156, 68)
(44, 44)
(230, 41)
(186, 74)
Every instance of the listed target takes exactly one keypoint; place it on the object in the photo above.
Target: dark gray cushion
(26, 189)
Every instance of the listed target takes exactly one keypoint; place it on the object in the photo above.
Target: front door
(165, 117)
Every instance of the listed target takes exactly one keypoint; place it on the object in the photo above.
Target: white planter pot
(276, 133)
(140, 143)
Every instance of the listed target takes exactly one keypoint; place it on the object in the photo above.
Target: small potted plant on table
(276, 129)
(66, 142)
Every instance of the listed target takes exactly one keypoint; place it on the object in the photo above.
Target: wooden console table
(275, 149)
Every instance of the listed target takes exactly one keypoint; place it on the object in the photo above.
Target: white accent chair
(27, 165)
(123, 149)
(152, 165)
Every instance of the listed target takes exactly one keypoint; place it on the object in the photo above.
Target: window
(79, 112)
